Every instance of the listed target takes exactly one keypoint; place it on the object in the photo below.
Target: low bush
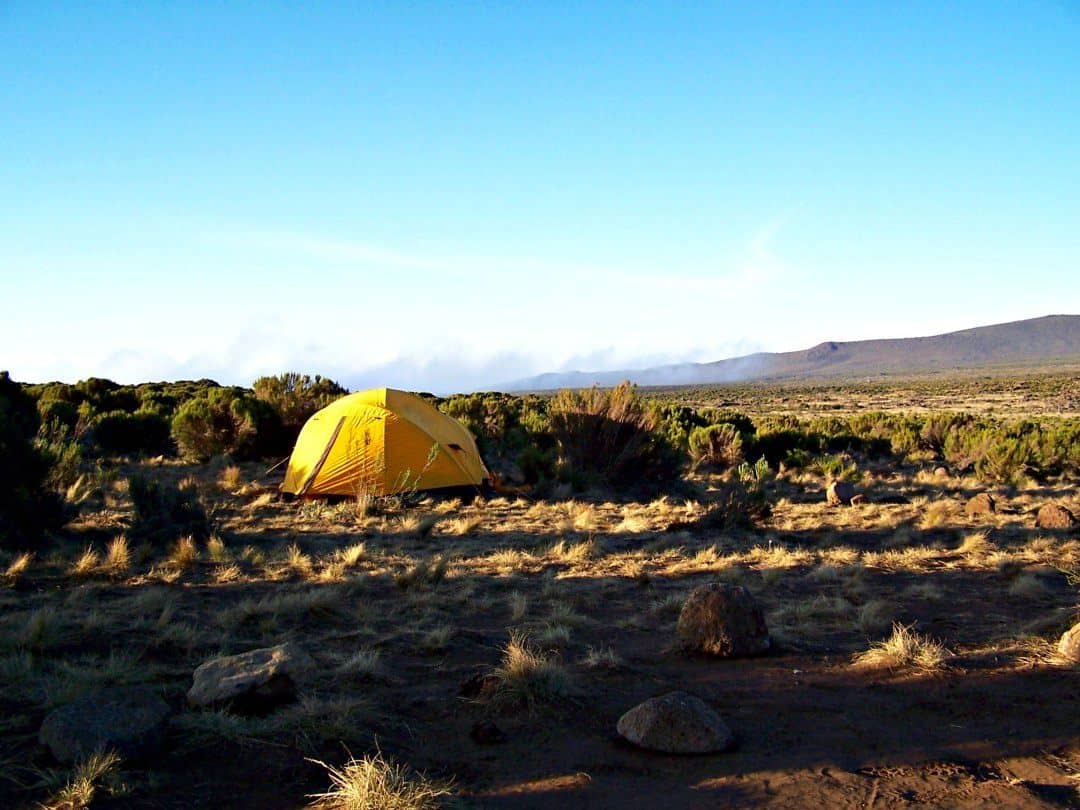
(164, 511)
(144, 432)
(28, 507)
(296, 397)
(716, 445)
(227, 421)
(609, 436)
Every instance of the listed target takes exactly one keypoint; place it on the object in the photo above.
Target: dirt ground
(403, 608)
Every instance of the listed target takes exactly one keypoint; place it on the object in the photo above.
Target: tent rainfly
(382, 442)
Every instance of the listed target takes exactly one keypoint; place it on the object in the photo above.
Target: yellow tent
(382, 442)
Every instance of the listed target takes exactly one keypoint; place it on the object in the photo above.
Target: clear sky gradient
(449, 195)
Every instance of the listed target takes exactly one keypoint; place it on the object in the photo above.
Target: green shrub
(734, 504)
(296, 397)
(727, 416)
(754, 476)
(538, 465)
(144, 432)
(675, 423)
(63, 455)
(28, 507)
(164, 511)
(778, 437)
(717, 445)
(226, 421)
(835, 468)
(609, 436)
(1005, 460)
(511, 432)
(938, 427)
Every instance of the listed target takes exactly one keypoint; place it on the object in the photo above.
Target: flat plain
(492, 644)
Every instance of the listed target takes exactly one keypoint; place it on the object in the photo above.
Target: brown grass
(377, 783)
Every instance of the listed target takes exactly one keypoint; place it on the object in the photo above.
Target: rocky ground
(499, 643)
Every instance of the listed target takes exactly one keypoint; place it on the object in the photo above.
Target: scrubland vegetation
(479, 651)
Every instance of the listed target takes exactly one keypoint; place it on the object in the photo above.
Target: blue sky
(445, 196)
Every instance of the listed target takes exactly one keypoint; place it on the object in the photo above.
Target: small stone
(839, 492)
(723, 620)
(250, 682)
(676, 723)
(981, 504)
(941, 472)
(1069, 646)
(1054, 516)
(129, 720)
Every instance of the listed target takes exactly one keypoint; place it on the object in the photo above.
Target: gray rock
(1069, 646)
(251, 681)
(723, 620)
(676, 723)
(130, 720)
(839, 492)
(1054, 516)
(981, 504)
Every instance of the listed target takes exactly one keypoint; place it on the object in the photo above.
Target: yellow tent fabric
(382, 442)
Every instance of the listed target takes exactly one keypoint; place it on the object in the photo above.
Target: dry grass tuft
(17, 567)
(929, 591)
(217, 550)
(118, 556)
(231, 479)
(296, 561)
(937, 514)
(86, 565)
(519, 605)
(352, 556)
(573, 553)
(262, 501)
(362, 664)
(79, 791)
(977, 546)
(375, 783)
(423, 572)
(184, 554)
(230, 572)
(904, 648)
(436, 640)
(668, 605)
(527, 676)
(601, 658)
(464, 526)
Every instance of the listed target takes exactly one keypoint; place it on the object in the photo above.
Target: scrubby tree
(226, 421)
(27, 506)
(296, 397)
(717, 445)
(610, 435)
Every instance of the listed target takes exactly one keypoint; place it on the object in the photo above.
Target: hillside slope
(1034, 342)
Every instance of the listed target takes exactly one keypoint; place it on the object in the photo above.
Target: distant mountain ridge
(1037, 341)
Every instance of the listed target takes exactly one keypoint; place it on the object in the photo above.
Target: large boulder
(1069, 646)
(981, 504)
(1054, 516)
(676, 723)
(839, 493)
(250, 682)
(130, 720)
(723, 620)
